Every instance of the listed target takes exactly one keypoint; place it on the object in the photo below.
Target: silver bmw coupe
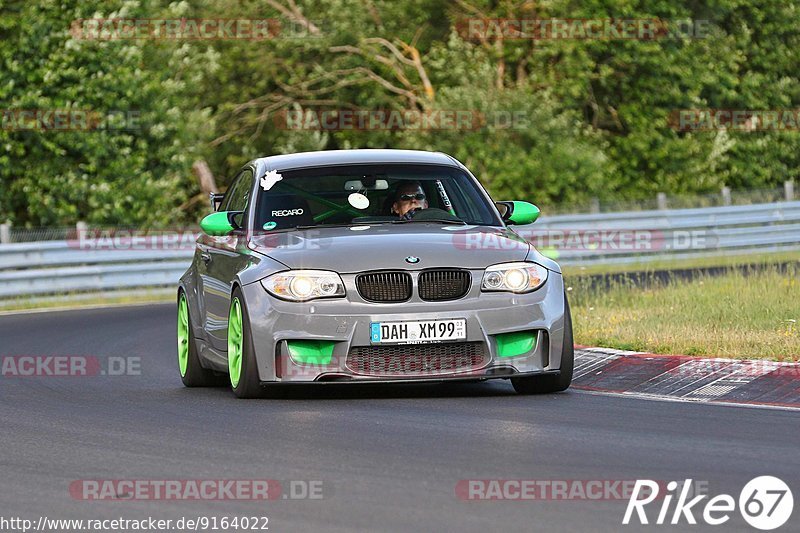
(377, 266)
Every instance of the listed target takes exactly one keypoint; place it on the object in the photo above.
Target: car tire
(554, 382)
(242, 367)
(192, 372)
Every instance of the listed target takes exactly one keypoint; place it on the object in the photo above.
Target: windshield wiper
(372, 223)
(342, 225)
(315, 226)
(435, 220)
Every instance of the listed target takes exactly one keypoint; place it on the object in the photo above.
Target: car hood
(386, 246)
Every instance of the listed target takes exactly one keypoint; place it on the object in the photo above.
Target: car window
(239, 193)
(353, 194)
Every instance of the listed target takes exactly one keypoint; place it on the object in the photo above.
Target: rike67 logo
(765, 503)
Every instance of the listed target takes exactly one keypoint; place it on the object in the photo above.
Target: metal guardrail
(668, 233)
(91, 278)
(65, 253)
(40, 268)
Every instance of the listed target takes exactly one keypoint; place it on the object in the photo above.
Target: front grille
(416, 359)
(384, 286)
(438, 285)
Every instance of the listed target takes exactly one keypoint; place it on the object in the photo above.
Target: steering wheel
(434, 213)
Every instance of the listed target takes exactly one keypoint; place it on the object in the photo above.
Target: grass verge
(751, 315)
(77, 301)
(684, 263)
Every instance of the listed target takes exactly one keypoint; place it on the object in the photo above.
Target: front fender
(535, 256)
(259, 267)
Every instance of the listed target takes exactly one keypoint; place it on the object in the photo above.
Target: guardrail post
(726, 195)
(661, 199)
(5, 233)
(82, 228)
(788, 188)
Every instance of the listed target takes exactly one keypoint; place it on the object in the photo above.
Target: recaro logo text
(287, 213)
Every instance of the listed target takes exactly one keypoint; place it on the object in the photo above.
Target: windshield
(371, 194)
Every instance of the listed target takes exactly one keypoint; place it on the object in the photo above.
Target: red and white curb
(680, 377)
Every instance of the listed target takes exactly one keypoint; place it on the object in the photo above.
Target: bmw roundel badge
(412, 259)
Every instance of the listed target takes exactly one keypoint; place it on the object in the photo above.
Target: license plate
(452, 329)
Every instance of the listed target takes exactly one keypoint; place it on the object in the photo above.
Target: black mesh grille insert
(416, 359)
(437, 285)
(384, 286)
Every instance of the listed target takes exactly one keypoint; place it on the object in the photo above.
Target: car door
(222, 258)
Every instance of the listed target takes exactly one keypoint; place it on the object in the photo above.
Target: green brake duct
(311, 352)
(515, 343)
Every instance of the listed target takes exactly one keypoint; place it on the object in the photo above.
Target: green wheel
(192, 372)
(183, 334)
(235, 342)
(242, 365)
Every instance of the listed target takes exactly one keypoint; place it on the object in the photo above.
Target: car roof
(354, 157)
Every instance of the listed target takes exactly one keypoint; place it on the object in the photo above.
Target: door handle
(205, 256)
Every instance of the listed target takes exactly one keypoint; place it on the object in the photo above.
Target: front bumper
(345, 322)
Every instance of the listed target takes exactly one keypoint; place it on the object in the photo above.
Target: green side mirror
(518, 212)
(219, 224)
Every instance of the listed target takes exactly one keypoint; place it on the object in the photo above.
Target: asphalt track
(389, 459)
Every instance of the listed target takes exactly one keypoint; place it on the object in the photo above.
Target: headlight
(303, 285)
(514, 277)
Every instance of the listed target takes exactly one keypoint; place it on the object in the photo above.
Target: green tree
(133, 172)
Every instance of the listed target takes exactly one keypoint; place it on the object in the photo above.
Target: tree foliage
(593, 115)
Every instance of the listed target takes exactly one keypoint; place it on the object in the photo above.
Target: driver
(409, 197)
